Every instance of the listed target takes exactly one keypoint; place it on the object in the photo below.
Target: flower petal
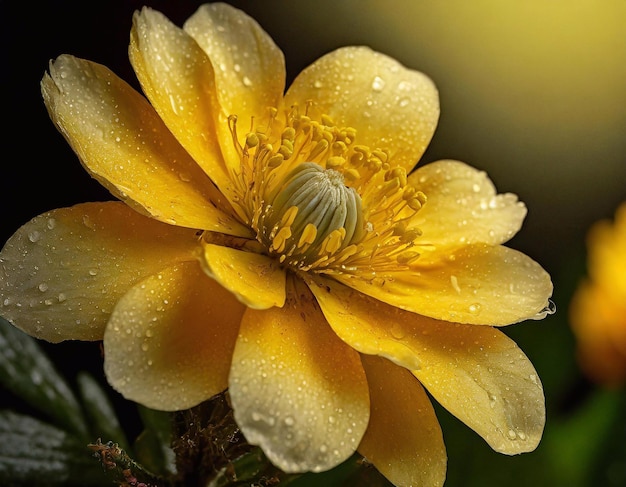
(477, 284)
(178, 79)
(255, 279)
(169, 342)
(62, 273)
(463, 207)
(123, 144)
(297, 390)
(249, 67)
(403, 439)
(391, 107)
(476, 372)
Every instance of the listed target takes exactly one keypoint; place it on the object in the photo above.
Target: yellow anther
(410, 235)
(308, 235)
(289, 133)
(398, 173)
(275, 161)
(414, 203)
(280, 240)
(335, 162)
(407, 257)
(352, 174)
(327, 121)
(333, 241)
(289, 216)
(319, 149)
(381, 155)
(339, 148)
(252, 140)
(374, 164)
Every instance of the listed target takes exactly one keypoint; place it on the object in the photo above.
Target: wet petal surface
(255, 279)
(463, 208)
(403, 439)
(475, 372)
(123, 143)
(62, 273)
(391, 107)
(249, 67)
(297, 390)
(477, 284)
(169, 342)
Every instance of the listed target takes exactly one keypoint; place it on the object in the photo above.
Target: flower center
(312, 214)
(319, 201)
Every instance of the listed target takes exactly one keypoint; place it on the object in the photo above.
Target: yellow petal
(178, 79)
(475, 372)
(169, 342)
(391, 107)
(255, 279)
(403, 439)
(62, 273)
(476, 284)
(463, 207)
(123, 144)
(249, 67)
(297, 390)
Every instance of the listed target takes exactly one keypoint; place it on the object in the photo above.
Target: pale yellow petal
(463, 207)
(179, 80)
(475, 372)
(256, 280)
(403, 438)
(392, 108)
(124, 144)
(249, 67)
(297, 390)
(62, 273)
(477, 284)
(169, 342)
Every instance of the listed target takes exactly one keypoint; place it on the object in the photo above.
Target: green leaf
(153, 446)
(35, 453)
(103, 422)
(28, 373)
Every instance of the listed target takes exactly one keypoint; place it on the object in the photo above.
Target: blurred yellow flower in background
(598, 308)
(278, 245)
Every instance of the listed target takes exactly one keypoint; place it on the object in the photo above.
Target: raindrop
(61, 297)
(289, 421)
(34, 236)
(246, 81)
(512, 434)
(378, 84)
(93, 272)
(43, 287)
(397, 331)
(474, 308)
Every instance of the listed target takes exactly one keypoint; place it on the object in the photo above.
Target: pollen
(318, 201)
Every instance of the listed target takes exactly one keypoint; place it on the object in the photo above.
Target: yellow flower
(273, 243)
(598, 307)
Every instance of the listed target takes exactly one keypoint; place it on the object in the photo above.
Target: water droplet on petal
(378, 84)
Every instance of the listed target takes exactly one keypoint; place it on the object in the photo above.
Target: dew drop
(93, 272)
(43, 287)
(512, 434)
(246, 81)
(474, 308)
(289, 421)
(34, 236)
(397, 331)
(51, 223)
(378, 84)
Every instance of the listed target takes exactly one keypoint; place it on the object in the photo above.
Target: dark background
(532, 92)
